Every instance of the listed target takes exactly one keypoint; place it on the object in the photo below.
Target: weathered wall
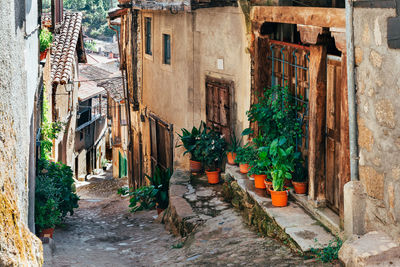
(176, 93)
(66, 105)
(18, 246)
(378, 89)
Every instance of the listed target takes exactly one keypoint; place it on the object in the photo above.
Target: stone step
(306, 231)
(372, 249)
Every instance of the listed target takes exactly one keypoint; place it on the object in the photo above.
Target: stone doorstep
(325, 215)
(293, 219)
(372, 249)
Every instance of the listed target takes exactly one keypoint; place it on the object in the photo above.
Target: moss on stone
(254, 215)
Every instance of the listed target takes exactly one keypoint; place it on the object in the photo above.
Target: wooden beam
(317, 123)
(309, 34)
(344, 164)
(340, 38)
(315, 16)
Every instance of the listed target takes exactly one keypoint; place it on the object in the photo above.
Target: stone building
(61, 80)
(19, 86)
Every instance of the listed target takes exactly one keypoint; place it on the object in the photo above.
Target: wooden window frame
(167, 67)
(148, 31)
(145, 17)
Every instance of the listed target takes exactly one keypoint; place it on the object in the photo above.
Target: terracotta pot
(300, 187)
(195, 166)
(213, 176)
(159, 211)
(231, 157)
(47, 232)
(43, 54)
(268, 186)
(259, 180)
(244, 167)
(279, 198)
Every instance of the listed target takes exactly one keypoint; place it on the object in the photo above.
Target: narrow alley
(103, 232)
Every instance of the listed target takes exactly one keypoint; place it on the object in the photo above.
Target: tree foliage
(94, 15)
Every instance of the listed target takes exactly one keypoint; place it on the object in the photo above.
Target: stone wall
(18, 246)
(378, 89)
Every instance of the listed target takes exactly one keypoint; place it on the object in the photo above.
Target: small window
(148, 36)
(167, 49)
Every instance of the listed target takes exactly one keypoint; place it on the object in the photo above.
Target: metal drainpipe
(351, 92)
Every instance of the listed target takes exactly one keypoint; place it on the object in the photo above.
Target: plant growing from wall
(329, 253)
(49, 130)
(45, 38)
(160, 181)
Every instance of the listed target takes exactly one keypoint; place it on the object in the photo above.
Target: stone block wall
(378, 106)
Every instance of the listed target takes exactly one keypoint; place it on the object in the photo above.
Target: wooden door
(161, 134)
(218, 105)
(333, 116)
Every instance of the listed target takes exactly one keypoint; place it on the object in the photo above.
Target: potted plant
(212, 145)
(233, 148)
(261, 167)
(47, 212)
(160, 181)
(244, 156)
(282, 166)
(190, 141)
(104, 163)
(299, 180)
(46, 38)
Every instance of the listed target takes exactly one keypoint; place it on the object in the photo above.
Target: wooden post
(344, 164)
(317, 123)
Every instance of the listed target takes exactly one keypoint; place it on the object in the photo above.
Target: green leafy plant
(47, 197)
(262, 165)
(329, 253)
(143, 198)
(212, 145)
(104, 162)
(234, 143)
(61, 176)
(160, 181)
(282, 162)
(190, 141)
(246, 154)
(46, 38)
(123, 191)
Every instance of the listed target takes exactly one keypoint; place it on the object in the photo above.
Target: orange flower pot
(268, 186)
(259, 180)
(244, 168)
(213, 177)
(279, 198)
(300, 187)
(43, 54)
(231, 157)
(47, 232)
(195, 166)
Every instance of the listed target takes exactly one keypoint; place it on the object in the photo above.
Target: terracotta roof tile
(64, 47)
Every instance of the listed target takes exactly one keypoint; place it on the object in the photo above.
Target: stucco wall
(17, 245)
(378, 89)
(176, 93)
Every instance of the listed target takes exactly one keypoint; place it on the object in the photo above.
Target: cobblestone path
(102, 232)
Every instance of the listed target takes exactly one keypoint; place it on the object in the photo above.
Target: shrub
(143, 198)
(160, 181)
(62, 177)
(47, 213)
